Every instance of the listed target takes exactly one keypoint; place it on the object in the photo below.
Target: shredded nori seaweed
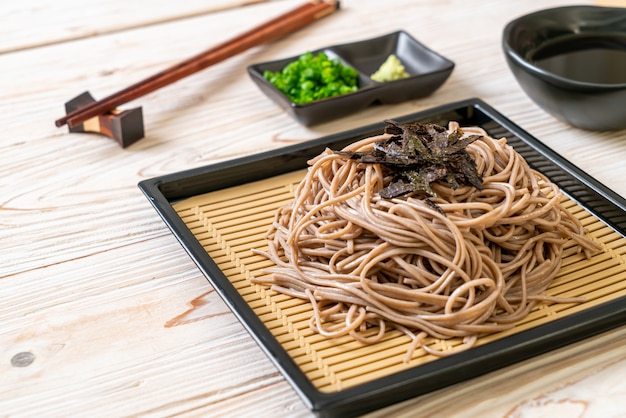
(420, 154)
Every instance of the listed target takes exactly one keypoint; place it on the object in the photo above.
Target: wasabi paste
(392, 69)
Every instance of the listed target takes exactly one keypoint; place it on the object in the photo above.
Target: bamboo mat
(229, 223)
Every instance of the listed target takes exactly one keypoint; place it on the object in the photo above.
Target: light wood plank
(40, 23)
(93, 284)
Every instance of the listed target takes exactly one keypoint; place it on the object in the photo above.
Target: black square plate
(428, 71)
(609, 207)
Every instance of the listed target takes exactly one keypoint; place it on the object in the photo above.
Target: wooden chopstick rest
(126, 127)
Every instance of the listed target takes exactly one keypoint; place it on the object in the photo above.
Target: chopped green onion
(313, 77)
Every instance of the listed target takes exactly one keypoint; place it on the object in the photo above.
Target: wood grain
(58, 22)
(117, 319)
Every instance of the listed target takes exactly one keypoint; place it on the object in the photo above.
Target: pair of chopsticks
(266, 32)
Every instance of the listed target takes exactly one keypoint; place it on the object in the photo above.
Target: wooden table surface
(103, 314)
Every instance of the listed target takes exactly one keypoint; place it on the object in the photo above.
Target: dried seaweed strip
(419, 154)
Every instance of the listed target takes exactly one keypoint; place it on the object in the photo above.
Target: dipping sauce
(599, 59)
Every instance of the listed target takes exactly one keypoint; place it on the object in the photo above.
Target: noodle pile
(461, 263)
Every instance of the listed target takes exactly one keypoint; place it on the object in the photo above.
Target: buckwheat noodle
(476, 262)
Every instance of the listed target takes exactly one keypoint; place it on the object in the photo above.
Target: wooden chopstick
(266, 32)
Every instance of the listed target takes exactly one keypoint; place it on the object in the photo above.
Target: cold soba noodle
(444, 260)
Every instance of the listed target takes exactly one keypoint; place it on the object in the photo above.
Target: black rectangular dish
(165, 191)
(427, 70)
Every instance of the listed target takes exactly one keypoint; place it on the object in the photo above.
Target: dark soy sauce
(588, 58)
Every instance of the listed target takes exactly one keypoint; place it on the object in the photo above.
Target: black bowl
(428, 71)
(572, 62)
